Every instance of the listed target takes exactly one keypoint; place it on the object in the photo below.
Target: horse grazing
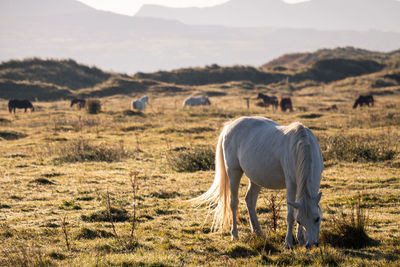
(271, 156)
(269, 100)
(364, 100)
(286, 103)
(81, 103)
(196, 101)
(17, 103)
(140, 104)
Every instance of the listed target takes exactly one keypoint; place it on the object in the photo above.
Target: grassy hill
(63, 73)
(298, 60)
(49, 80)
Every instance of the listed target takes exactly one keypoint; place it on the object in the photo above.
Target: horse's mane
(301, 148)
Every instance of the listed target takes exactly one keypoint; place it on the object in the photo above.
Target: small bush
(118, 215)
(11, 135)
(192, 160)
(240, 251)
(349, 230)
(355, 149)
(93, 106)
(81, 150)
(86, 233)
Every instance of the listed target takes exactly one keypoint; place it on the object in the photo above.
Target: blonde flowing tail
(218, 196)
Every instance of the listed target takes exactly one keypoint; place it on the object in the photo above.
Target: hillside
(48, 80)
(299, 60)
(63, 73)
(356, 15)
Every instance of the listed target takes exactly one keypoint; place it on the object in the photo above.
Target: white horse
(272, 156)
(140, 104)
(196, 101)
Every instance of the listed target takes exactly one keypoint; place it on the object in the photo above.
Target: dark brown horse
(269, 100)
(79, 102)
(286, 103)
(17, 103)
(364, 100)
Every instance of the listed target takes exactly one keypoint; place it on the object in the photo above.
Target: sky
(130, 7)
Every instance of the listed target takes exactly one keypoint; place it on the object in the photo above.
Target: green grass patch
(192, 160)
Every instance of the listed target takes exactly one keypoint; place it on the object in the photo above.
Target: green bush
(356, 149)
(192, 160)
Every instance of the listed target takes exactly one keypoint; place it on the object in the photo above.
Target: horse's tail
(218, 196)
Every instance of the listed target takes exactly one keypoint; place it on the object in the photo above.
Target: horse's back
(255, 145)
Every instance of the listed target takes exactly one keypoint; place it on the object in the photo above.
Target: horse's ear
(319, 197)
(295, 205)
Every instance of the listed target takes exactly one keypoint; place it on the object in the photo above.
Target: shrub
(86, 233)
(118, 215)
(93, 106)
(348, 230)
(355, 149)
(192, 160)
(81, 150)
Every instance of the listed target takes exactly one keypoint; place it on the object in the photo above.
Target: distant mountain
(70, 29)
(358, 15)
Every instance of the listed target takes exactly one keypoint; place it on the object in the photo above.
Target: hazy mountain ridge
(317, 14)
(120, 43)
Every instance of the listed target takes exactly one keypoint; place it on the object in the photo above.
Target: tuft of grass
(349, 230)
(81, 150)
(42, 181)
(11, 135)
(192, 160)
(117, 215)
(93, 106)
(356, 149)
(26, 255)
(240, 251)
(69, 205)
(261, 244)
(311, 116)
(86, 233)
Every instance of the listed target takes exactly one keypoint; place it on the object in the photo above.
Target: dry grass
(64, 166)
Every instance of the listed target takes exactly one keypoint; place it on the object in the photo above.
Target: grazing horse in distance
(17, 103)
(271, 156)
(81, 103)
(269, 100)
(140, 104)
(364, 100)
(196, 101)
(286, 103)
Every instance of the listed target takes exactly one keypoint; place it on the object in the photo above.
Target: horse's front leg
(290, 196)
(251, 201)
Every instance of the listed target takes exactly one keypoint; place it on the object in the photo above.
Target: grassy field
(63, 172)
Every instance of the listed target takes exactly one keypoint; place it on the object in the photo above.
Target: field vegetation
(110, 188)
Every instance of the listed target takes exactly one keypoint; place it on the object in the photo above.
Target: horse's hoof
(234, 238)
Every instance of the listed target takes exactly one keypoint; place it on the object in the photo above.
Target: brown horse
(269, 100)
(286, 103)
(79, 102)
(17, 103)
(364, 100)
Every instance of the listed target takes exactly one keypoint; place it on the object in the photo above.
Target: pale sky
(130, 7)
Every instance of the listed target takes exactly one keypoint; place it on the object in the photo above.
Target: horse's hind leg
(234, 181)
(251, 201)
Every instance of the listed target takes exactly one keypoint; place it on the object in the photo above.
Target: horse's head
(260, 96)
(308, 215)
